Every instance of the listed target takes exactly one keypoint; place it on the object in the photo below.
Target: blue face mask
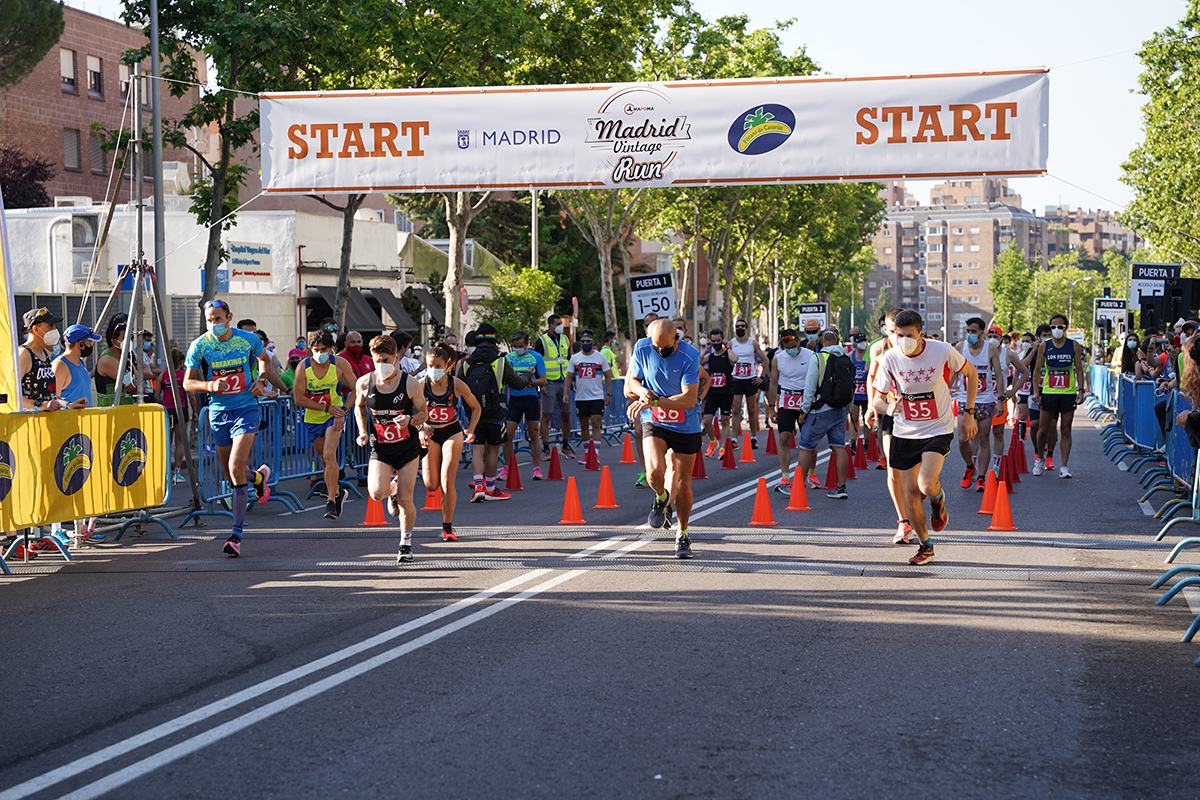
(792, 351)
(972, 338)
(147, 346)
(217, 328)
(321, 358)
(812, 337)
(436, 374)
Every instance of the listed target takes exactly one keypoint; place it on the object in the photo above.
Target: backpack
(836, 389)
(484, 383)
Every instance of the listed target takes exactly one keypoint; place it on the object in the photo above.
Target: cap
(996, 330)
(296, 352)
(35, 316)
(1191, 323)
(858, 337)
(77, 333)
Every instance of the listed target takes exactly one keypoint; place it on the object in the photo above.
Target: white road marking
(629, 548)
(1147, 509)
(1121, 466)
(1192, 595)
(598, 547)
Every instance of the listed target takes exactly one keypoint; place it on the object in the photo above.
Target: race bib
(860, 387)
(319, 399)
(1026, 388)
(1058, 380)
(792, 401)
(921, 407)
(718, 380)
(743, 370)
(982, 382)
(442, 414)
(585, 370)
(390, 432)
(236, 376)
(673, 416)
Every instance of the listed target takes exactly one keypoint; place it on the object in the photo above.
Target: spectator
(178, 413)
(107, 366)
(288, 376)
(72, 380)
(35, 357)
(248, 325)
(360, 362)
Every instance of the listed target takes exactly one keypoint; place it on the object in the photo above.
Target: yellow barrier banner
(65, 465)
(10, 387)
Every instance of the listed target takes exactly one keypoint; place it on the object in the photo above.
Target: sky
(1090, 47)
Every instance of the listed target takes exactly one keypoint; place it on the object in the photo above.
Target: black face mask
(666, 352)
(86, 350)
(740, 331)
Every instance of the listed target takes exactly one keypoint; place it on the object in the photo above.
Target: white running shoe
(1038, 467)
(1063, 472)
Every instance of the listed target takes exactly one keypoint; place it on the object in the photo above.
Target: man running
(984, 356)
(555, 350)
(785, 399)
(316, 391)
(225, 354)
(664, 381)
(638, 433)
(904, 531)
(916, 371)
(1017, 375)
(719, 361)
(1024, 353)
(746, 383)
(488, 373)
(589, 374)
(523, 404)
(1059, 391)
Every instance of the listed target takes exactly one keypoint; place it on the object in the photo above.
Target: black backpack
(485, 385)
(837, 381)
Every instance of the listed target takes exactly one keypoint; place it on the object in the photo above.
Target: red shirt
(361, 364)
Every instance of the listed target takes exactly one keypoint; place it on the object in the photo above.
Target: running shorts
(718, 401)
(682, 443)
(589, 408)
(1058, 403)
(906, 453)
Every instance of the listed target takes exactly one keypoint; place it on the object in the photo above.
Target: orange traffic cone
(572, 513)
(591, 461)
(1018, 447)
(605, 498)
(772, 447)
(627, 453)
(374, 513)
(730, 462)
(860, 455)
(799, 499)
(1010, 470)
(1002, 516)
(831, 476)
(762, 505)
(513, 480)
(989, 494)
(433, 500)
(850, 476)
(698, 471)
(555, 466)
(872, 446)
(747, 452)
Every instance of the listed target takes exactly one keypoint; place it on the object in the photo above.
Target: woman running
(442, 434)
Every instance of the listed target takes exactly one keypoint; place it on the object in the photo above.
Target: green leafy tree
(1011, 282)
(28, 29)
(23, 179)
(519, 301)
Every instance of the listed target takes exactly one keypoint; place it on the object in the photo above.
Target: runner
(785, 400)
(1016, 375)
(316, 391)
(984, 356)
(523, 404)
(904, 531)
(442, 435)
(1025, 354)
(486, 374)
(555, 349)
(36, 358)
(862, 361)
(823, 416)
(388, 406)
(638, 433)
(225, 356)
(916, 372)
(719, 361)
(1041, 335)
(589, 373)
(1059, 391)
(812, 335)
(746, 383)
(664, 381)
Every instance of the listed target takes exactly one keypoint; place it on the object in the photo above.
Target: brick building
(1095, 231)
(80, 81)
(973, 192)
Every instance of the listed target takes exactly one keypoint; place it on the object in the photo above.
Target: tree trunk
(212, 256)
(606, 282)
(628, 294)
(353, 202)
(457, 221)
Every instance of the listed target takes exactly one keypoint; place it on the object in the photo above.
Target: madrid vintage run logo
(643, 138)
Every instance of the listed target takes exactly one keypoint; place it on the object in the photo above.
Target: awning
(395, 309)
(432, 305)
(359, 314)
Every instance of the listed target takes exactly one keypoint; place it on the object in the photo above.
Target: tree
(28, 29)
(1010, 285)
(519, 301)
(23, 179)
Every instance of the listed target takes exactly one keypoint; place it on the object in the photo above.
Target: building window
(958, 231)
(973, 282)
(956, 282)
(921, 290)
(972, 198)
(887, 251)
(97, 153)
(955, 299)
(935, 248)
(95, 80)
(973, 231)
(972, 248)
(70, 148)
(123, 77)
(68, 70)
(972, 265)
(872, 302)
(935, 230)
(973, 298)
(885, 266)
(887, 231)
(921, 306)
(956, 265)
(935, 316)
(956, 248)
(663, 261)
(907, 284)
(887, 284)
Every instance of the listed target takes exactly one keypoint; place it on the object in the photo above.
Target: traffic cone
(1013, 472)
(627, 456)
(1017, 447)
(730, 462)
(747, 452)
(433, 500)
(850, 476)
(1003, 478)
(799, 499)
(860, 455)
(772, 447)
(698, 471)
(872, 446)
(555, 466)
(762, 505)
(512, 482)
(1002, 516)
(591, 461)
(572, 513)
(605, 498)
(831, 476)
(374, 513)
(989, 494)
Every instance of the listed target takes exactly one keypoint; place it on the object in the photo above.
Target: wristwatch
(970, 410)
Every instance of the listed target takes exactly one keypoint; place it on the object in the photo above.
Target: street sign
(1149, 280)
(1109, 308)
(818, 312)
(1075, 334)
(462, 300)
(653, 294)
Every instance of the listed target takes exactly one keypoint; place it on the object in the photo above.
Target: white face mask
(908, 345)
(558, 329)
(861, 345)
(1026, 347)
(892, 339)
(51, 338)
(1058, 333)
(385, 370)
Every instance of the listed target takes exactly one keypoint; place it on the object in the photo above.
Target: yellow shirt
(322, 389)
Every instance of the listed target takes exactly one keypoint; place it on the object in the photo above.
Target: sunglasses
(216, 304)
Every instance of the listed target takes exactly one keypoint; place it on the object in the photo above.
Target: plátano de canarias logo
(129, 457)
(761, 129)
(73, 465)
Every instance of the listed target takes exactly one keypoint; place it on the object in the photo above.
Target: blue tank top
(860, 376)
(80, 387)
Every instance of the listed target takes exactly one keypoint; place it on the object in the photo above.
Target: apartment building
(1095, 231)
(973, 192)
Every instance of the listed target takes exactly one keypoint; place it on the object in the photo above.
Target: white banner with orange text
(686, 133)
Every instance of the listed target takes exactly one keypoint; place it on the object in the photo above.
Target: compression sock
(478, 477)
(406, 537)
(489, 485)
(241, 495)
(1021, 429)
(662, 498)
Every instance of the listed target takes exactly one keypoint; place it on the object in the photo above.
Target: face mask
(355, 350)
(385, 370)
(436, 374)
(703, 341)
(1058, 333)
(666, 352)
(321, 358)
(1026, 347)
(1131, 344)
(892, 339)
(300, 345)
(558, 329)
(792, 351)
(812, 337)
(740, 331)
(147, 346)
(717, 346)
(586, 347)
(520, 350)
(861, 345)
(217, 328)
(86, 350)
(908, 345)
(972, 338)
(51, 337)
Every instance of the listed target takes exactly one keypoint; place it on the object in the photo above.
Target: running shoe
(20, 553)
(968, 476)
(1063, 472)
(537, 474)
(449, 535)
(340, 502)
(939, 517)
(233, 546)
(814, 482)
(503, 473)
(683, 546)
(657, 518)
(904, 533)
(981, 484)
(479, 493)
(733, 442)
(882, 464)
(837, 494)
(568, 450)
(393, 505)
(924, 555)
(641, 480)
(43, 545)
(712, 449)
(753, 443)
(784, 486)
(1038, 467)
(670, 515)
(405, 554)
(1050, 461)
(263, 490)
(496, 494)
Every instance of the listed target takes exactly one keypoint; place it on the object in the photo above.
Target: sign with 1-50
(653, 294)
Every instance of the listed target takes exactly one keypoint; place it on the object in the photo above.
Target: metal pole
(696, 276)
(160, 248)
(945, 303)
(139, 172)
(533, 230)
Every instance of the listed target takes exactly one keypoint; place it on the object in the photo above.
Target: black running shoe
(753, 443)
(233, 546)
(331, 510)
(683, 547)
(405, 555)
(657, 518)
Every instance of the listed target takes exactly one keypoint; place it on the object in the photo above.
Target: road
(530, 659)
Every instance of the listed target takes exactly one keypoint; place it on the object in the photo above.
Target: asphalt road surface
(533, 660)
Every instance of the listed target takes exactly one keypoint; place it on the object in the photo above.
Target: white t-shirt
(986, 393)
(589, 375)
(923, 385)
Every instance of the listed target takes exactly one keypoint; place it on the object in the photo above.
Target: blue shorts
(831, 422)
(311, 431)
(235, 422)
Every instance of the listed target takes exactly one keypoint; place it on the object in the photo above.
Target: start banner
(66, 465)
(752, 131)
